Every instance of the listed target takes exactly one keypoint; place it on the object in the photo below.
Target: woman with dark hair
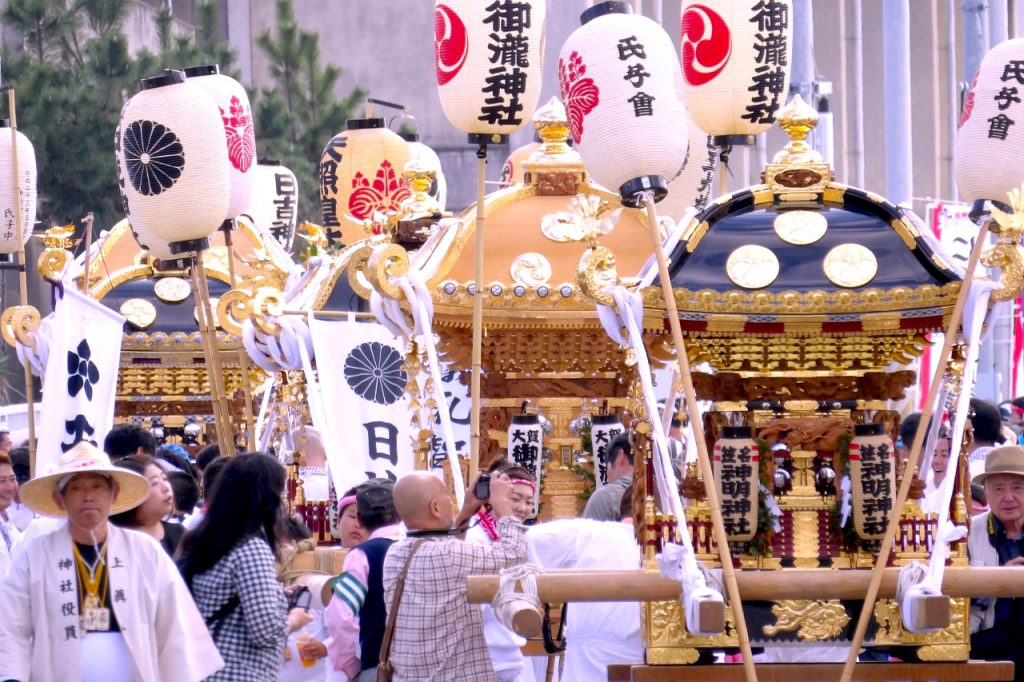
(150, 516)
(228, 563)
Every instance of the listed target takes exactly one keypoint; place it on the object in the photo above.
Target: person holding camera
(437, 634)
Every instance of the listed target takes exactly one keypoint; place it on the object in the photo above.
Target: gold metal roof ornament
(1008, 254)
(59, 242)
(797, 168)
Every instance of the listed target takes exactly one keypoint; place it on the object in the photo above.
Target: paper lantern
(512, 172)
(735, 462)
(489, 59)
(429, 158)
(26, 189)
(360, 173)
(236, 114)
(873, 478)
(526, 446)
(735, 56)
(172, 164)
(604, 428)
(274, 208)
(990, 142)
(696, 184)
(622, 89)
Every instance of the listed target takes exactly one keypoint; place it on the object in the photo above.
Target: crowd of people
(138, 562)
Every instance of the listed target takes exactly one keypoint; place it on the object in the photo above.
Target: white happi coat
(39, 628)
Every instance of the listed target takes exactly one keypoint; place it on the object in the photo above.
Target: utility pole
(896, 88)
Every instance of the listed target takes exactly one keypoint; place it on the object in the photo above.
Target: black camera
(301, 598)
(482, 489)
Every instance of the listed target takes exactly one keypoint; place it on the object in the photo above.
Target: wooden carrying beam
(594, 586)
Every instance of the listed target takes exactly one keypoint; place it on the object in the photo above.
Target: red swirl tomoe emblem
(451, 43)
(706, 44)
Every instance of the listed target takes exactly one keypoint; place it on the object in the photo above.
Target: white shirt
(7, 553)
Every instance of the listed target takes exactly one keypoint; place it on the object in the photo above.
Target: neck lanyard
(95, 616)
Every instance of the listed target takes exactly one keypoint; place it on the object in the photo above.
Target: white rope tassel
(508, 602)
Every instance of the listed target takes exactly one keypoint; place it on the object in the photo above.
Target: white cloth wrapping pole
(390, 314)
(37, 357)
(975, 310)
(266, 409)
(281, 352)
(678, 562)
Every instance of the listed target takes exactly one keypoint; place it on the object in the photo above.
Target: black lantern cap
(267, 162)
(165, 77)
(526, 419)
(487, 138)
(735, 140)
(980, 209)
(736, 432)
(603, 8)
(868, 429)
(189, 245)
(203, 70)
(5, 123)
(633, 190)
(364, 123)
(410, 137)
(605, 419)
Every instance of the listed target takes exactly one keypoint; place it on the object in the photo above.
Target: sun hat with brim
(83, 458)
(1008, 459)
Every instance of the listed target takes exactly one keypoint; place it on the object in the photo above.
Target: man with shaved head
(438, 634)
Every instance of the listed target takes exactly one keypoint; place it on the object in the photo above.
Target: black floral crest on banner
(82, 371)
(153, 157)
(374, 371)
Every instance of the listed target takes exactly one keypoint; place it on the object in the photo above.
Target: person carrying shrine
(90, 601)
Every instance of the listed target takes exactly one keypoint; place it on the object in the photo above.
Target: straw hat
(1008, 459)
(84, 458)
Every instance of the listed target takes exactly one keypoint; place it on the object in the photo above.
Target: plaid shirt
(438, 634)
(250, 638)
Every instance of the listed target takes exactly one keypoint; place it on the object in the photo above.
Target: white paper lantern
(696, 184)
(735, 56)
(274, 208)
(512, 172)
(604, 428)
(172, 164)
(526, 446)
(428, 157)
(990, 142)
(236, 114)
(489, 59)
(26, 189)
(622, 89)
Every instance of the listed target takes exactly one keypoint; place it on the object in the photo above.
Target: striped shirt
(438, 634)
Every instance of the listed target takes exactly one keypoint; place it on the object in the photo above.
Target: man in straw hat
(997, 539)
(92, 601)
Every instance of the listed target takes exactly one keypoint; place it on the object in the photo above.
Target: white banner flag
(367, 411)
(80, 383)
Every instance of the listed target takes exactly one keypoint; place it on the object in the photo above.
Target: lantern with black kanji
(990, 142)
(236, 115)
(26, 189)
(526, 444)
(873, 479)
(275, 201)
(622, 89)
(360, 173)
(735, 56)
(172, 164)
(489, 60)
(604, 428)
(695, 185)
(735, 463)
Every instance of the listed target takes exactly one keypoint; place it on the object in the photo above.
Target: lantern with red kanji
(274, 208)
(361, 173)
(622, 89)
(489, 59)
(735, 56)
(25, 193)
(172, 164)
(990, 142)
(239, 133)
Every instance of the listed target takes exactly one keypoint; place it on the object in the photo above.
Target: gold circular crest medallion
(172, 289)
(850, 265)
(752, 267)
(139, 311)
(800, 228)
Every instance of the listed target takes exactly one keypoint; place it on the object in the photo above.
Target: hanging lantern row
(275, 201)
(26, 192)
(735, 59)
(489, 58)
(622, 89)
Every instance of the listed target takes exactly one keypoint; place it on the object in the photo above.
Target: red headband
(524, 481)
(1017, 410)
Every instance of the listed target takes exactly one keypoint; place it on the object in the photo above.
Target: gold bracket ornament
(238, 305)
(17, 323)
(387, 261)
(595, 272)
(813, 620)
(55, 256)
(1007, 254)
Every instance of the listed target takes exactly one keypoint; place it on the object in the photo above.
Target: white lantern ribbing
(695, 185)
(489, 59)
(26, 189)
(172, 164)
(735, 56)
(236, 114)
(274, 208)
(526, 446)
(990, 142)
(622, 89)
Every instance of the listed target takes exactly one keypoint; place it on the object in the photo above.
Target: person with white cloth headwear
(91, 601)
(597, 634)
